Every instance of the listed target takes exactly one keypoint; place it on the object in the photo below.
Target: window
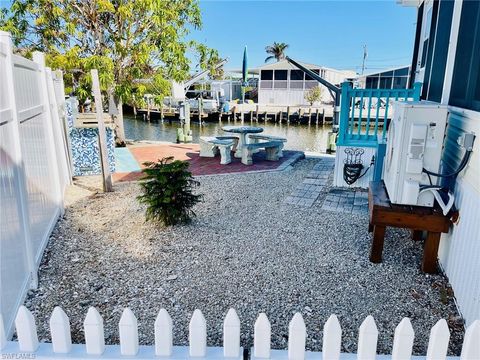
(280, 74)
(266, 75)
(400, 82)
(308, 77)
(296, 75)
(385, 82)
(465, 90)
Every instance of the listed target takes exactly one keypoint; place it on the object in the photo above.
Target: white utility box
(414, 141)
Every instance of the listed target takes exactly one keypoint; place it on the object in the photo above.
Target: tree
(313, 95)
(277, 51)
(126, 40)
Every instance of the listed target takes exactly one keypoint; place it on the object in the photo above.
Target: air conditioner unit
(414, 141)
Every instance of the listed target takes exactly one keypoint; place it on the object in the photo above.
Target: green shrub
(168, 191)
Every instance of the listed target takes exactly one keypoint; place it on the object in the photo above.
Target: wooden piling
(251, 115)
(266, 116)
(280, 115)
(323, 116)
(288, 114)
(162, 116)
(256, 115)
(316, 117)
(309, 115)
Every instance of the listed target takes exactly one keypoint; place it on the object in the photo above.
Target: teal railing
(364, 111)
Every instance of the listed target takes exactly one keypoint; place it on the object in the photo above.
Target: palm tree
(277, 51)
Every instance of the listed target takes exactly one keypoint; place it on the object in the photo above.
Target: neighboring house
(283, 84)
(446, 60)
(395, 78)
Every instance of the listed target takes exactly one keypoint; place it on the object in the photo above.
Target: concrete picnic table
(242, 131)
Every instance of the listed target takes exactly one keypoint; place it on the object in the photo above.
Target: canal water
(300, 137)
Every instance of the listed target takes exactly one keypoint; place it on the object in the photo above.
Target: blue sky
(329, 33)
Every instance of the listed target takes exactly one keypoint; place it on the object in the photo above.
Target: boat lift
(335, 91)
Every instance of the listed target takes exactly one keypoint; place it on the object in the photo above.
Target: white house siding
(459, 252)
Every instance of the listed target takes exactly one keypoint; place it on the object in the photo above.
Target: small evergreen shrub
(168, 191)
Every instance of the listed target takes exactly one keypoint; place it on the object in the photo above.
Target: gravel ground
(247, 250)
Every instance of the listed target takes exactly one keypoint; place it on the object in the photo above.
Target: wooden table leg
(430, 251)
(417, 235)
(377, 244)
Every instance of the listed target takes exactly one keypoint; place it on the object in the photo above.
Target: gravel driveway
(246, 249)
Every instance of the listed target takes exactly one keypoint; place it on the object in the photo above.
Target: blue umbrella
(244, 73)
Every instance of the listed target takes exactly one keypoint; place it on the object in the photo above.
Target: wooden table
(417, 218)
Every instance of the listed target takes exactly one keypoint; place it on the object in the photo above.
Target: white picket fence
(62, 347)
(34, 169)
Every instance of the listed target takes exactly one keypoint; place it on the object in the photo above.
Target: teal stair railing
(364, 113)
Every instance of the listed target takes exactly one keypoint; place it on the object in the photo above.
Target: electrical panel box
(414, 142)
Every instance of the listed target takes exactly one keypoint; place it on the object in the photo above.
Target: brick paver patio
(201, 165)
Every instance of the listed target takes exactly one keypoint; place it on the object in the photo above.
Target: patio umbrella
(244, 73)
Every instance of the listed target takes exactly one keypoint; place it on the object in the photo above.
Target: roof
(383, 70)
(285, 65)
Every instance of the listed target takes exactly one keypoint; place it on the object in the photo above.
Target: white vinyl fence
(34, 170)
(28, 346)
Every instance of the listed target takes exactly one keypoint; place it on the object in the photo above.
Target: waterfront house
(281, 83)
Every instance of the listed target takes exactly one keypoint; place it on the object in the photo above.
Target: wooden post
(161, 112)
(102, 135)
(266, 116)
(323, 116)
(148, 109)
(280, 116)
(430, 251)
(288, 114)
(251, 115)
(200, 109)
(275, 117)
(377, 244)
(316, 117)
(256, 115)
(234, 112)
(309, 115)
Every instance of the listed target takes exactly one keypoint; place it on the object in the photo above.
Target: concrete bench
(211, 146)
(272, 148)
(229, 137)
(256, 138)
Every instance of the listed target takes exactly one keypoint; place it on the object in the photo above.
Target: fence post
(17, 158)
(417, 88)
(198, 334)
(367, 340)
(58, 134)
(262, 337)
(297, 335)
(403, 340)
(128, 329)
(231, 334)
(59, 90)
(94, 334)
(39, 59)
(438, 341)
(163, 334)
(60, 331)
(26, 330)
(102, 137)
(332, 338)
(344, 111)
